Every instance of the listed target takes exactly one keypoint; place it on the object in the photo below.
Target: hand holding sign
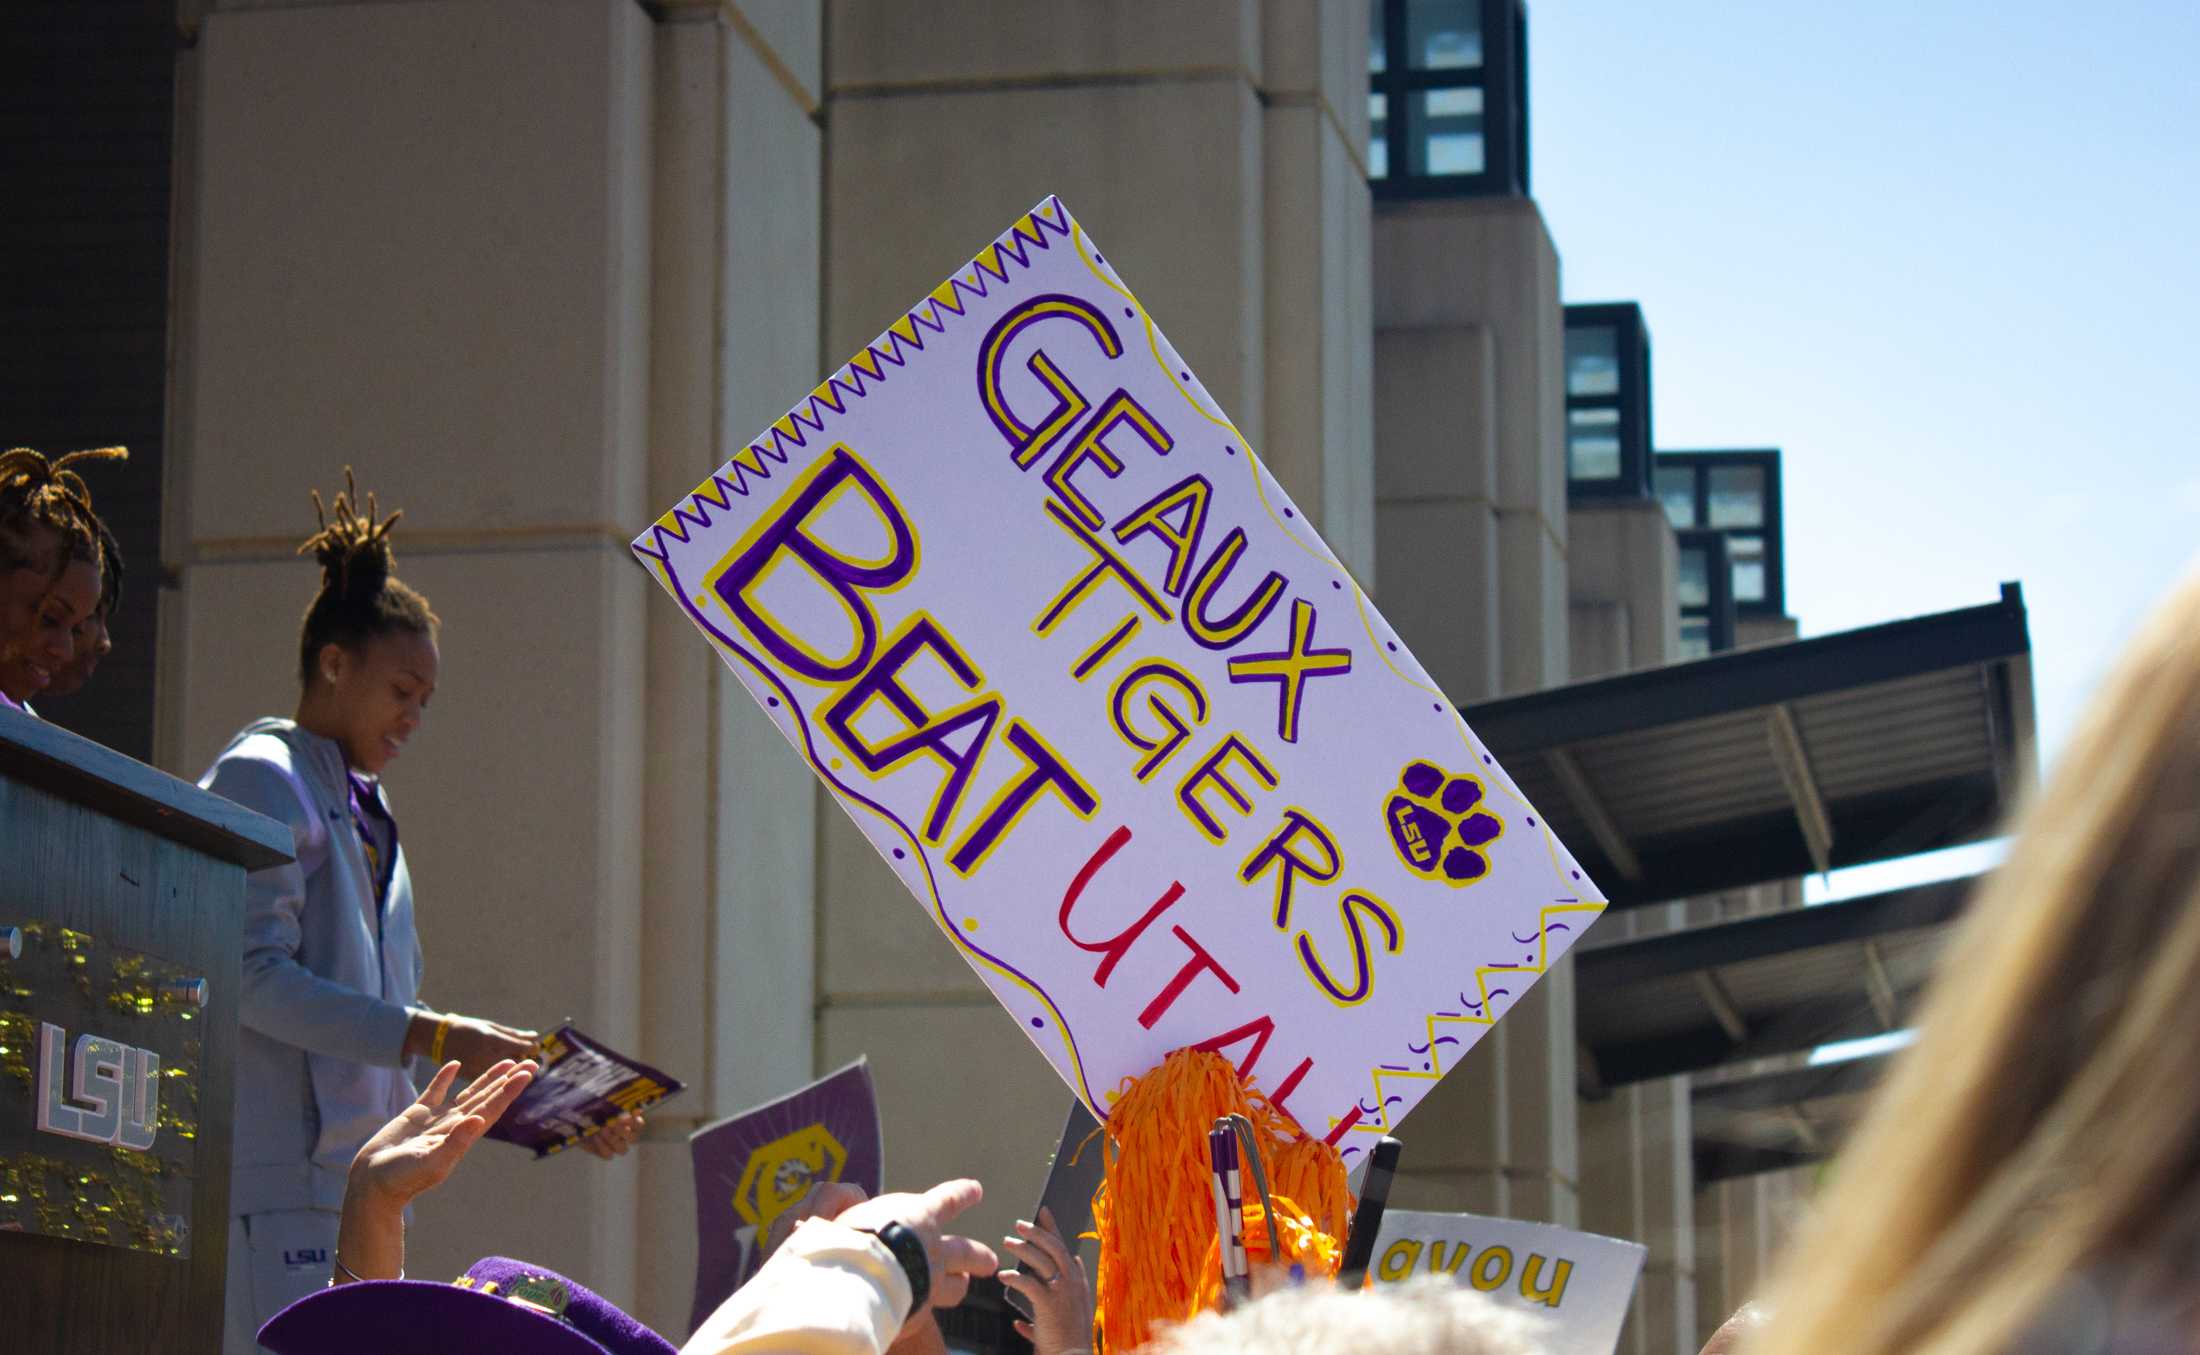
(1050, 1276)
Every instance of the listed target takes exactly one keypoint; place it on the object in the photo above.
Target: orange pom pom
(1160, 1261)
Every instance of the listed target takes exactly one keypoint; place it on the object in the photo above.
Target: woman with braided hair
(50, 566)
(93, 638)
(330, 1013)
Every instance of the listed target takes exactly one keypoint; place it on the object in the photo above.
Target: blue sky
(1942, 255)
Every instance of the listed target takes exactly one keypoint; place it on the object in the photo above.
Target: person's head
(50, 574)
(92, 638)
(2044, 1130)
(1420, 1317)
(367, 657)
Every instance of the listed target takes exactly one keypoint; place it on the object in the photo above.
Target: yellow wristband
(435, 1046)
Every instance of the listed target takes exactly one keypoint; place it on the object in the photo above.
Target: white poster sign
(1017, 590)
(1579, 1282)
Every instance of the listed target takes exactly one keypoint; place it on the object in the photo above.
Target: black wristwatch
(908, 1248)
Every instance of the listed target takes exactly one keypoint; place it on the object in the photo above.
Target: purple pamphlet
(756, 1166)
(583, 1086)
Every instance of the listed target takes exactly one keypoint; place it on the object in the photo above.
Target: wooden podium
(121, 914)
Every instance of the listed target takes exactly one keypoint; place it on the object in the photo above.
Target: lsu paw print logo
(1438, 826)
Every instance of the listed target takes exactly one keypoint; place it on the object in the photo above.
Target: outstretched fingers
(954, 1262)
(499, 1097)
(439, 1086)
(950, 1198)
(485, 1103)
(490, 1095)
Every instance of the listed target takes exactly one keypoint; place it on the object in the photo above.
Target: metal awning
(1776, 984)
(1779, 1120)
(1781, 760)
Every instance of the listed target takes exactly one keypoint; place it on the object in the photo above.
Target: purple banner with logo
(583, 1086)
(756, 1166)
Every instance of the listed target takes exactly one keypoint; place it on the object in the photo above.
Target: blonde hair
(2047, 1121)
(1420, 1317)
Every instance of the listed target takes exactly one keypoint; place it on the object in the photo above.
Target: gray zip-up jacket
(327, 984)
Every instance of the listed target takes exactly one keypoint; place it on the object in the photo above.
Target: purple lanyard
(366, 811)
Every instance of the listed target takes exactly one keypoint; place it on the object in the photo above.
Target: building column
(1665, 1297)
(1317, 280)
(729, 942)
(1471, 469)
(534, 267)
(1226, 191)
(1612, 1165)
(1638, 1178)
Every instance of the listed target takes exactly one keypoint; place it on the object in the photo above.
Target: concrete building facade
(536, 266)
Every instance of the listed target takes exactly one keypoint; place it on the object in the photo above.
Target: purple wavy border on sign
(847, 792)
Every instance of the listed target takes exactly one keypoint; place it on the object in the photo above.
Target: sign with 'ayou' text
(1022, 596)
(1579, 1283)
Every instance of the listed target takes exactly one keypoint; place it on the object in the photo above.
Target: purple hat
(498, 1304)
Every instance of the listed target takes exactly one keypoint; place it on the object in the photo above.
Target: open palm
(413, 1153)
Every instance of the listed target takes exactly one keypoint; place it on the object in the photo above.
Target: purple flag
(582, 1087)
(754, 1167)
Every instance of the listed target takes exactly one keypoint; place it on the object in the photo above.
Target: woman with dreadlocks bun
(50, 566)
(330, 1012)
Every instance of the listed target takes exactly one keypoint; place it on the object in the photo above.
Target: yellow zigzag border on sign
(951, 299)
(1380, 1122)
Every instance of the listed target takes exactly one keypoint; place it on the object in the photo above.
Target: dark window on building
(1448, 98)
(1607, 402)
(1737, 496)
(84, 149)
(1706, 594)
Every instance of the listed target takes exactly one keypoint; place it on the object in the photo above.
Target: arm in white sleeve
(828, 1290)
(283, 999)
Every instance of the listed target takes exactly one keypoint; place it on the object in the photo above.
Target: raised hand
(1051, 1276)
(416, 1152)
(954, 1259)
(411, 1155)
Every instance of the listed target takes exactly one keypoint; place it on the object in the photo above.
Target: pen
(1222, 1154)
